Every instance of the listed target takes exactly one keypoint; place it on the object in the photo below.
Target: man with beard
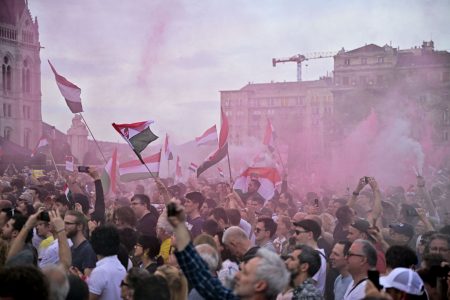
(83, 256)
(303, 263)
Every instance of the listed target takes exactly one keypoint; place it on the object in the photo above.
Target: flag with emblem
(137, 135)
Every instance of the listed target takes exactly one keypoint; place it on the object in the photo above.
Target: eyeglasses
(70, 223)
(438, 249)
(354, 254)
(300, 231)
(123, 283)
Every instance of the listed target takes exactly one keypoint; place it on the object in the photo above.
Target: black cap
(403, 228)
(362, 225)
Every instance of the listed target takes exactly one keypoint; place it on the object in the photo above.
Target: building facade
(312, 117)
(20, 86)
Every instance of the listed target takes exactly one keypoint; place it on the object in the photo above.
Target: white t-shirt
(50, 255)
(106, 277)
(356, 293)
(321, 275)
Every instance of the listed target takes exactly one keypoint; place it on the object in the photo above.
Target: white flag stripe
(69, 93)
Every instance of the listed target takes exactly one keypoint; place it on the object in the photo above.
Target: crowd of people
(62, 238)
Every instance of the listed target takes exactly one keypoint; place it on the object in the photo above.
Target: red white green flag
(138, 135)
(135, 170)
(70, 92)
(109, 174)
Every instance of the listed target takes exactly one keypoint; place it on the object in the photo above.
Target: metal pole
(229, 166)
(98, 146)
(54, 164)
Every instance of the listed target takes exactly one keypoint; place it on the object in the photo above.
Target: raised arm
(99, 209)
(19, 242)
(377, 208)
(361, 184)
(65, 256)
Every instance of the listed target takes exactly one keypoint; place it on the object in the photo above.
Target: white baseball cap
(405, 280)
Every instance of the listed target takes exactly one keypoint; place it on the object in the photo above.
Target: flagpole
(54, 164)
(229, 166)
(151, 174)
(281, 160)
(98, 146)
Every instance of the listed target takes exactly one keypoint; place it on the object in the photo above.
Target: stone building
(20, 85)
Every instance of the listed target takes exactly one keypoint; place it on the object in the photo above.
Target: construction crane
(299, 58)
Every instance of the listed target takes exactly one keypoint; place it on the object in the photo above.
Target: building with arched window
(20, 75)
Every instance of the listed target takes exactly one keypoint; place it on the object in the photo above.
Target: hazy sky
(167, 60)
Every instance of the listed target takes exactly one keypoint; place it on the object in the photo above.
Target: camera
(83, 169)
(44, 216)
(440, 271)
(172, 210)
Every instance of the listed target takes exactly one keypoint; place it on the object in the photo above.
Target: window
(364, 61)
(7, 110)
(7, 133)
(380, 79)
(6, 75)
(26, 138)
(26, 80)
(347, 62)
(345, 80)
(445, 76)
(380, 60)
(362, 80)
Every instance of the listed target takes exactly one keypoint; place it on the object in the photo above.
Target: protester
(146, 220)
(104, 281)
(338, 261)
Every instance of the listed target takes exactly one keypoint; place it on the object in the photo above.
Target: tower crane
(299, 58)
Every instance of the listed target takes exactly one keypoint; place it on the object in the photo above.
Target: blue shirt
(198, 275)
(340, 286)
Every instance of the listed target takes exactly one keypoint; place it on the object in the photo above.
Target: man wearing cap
(308, 232)
(403, 284)
(360, 230)
(401, 234)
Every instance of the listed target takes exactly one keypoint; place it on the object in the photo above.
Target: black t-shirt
(196, 225)
(83, 256)
(147, 224)
(339, 233)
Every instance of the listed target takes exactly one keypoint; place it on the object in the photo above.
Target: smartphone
(366, 179)
(316, 202)
(171, 210)
(374, 276)
(44, 216)
(83, 169)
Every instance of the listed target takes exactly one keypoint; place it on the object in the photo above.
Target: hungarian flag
(41, 145)
(209, 137)
(269, 136)
(70, 91)
(109, 174)
(178, 173)
(193, 167)
(138, 135)
(268, 177)
(167, 150)
(135, 170)
(220, 153)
